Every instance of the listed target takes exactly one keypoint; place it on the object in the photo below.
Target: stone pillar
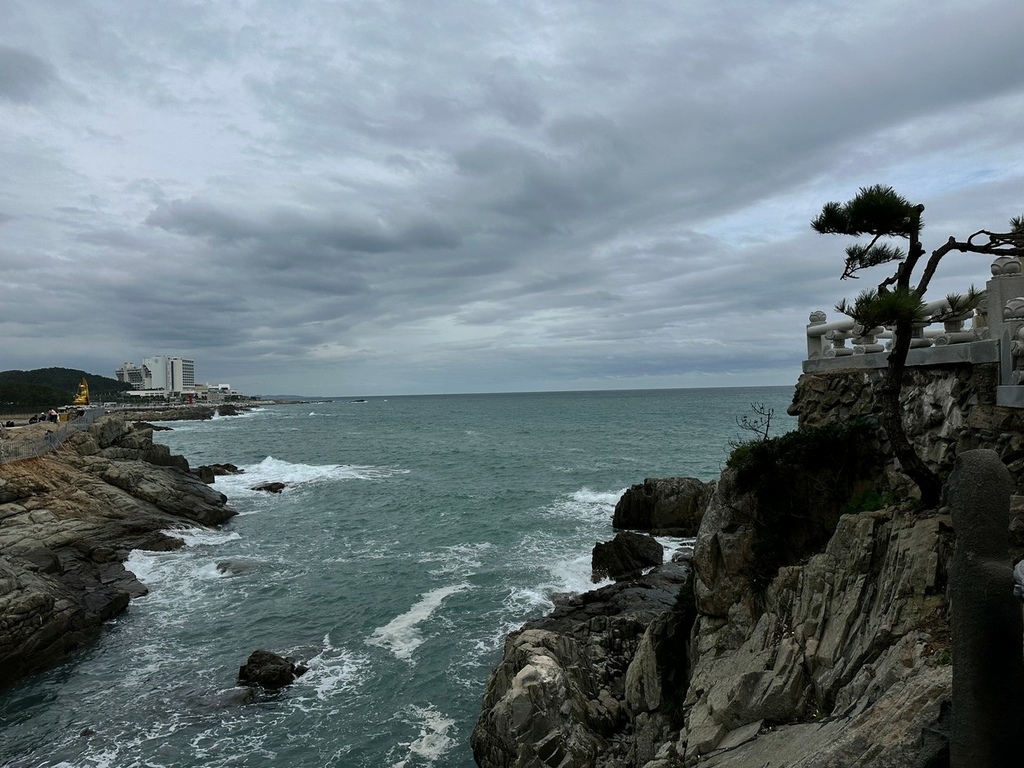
(816, 343)
(988, 669)
(1007, 283)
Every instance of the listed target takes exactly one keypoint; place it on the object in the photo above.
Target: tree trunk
(892, 419)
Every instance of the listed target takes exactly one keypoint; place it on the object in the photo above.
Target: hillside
(52, 387)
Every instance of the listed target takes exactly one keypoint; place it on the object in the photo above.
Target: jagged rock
(835, 656)
(207, 473)
(174, 491)
(558, 696)
(724, 550)
(140, 425)
(68, 520)
(269, 671)
(625, 556)
(671, 506)
(190, 413)
(273, 487)
(832, 637)
(224, 469)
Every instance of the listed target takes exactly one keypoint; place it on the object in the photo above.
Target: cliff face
(68, 520)
(948, 410)
(840, 656)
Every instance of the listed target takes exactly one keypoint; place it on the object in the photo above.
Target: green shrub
(803, 481)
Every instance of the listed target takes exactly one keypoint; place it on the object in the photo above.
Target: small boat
(360, 400)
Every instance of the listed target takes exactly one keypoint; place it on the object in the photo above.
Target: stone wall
(947, 409)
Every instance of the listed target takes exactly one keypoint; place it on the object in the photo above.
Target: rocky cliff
(826, 646)
(69, 519)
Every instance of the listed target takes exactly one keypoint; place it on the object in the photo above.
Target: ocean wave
(333, 670)
(433, 740)
(602, 498)
(585, 504)
(401, 635)
(203, 537)
(247, 414)
(156, 567)
(275, 470)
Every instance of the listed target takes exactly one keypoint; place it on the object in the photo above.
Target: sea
(413, 534)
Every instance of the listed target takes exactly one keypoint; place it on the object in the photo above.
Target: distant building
(132, 375)
(215, 393)
(162, 374)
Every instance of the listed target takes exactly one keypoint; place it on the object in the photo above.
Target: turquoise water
(414, 533)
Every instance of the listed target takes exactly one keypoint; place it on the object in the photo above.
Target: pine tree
(882, 214)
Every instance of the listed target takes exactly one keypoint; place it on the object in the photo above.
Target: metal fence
(14, 449)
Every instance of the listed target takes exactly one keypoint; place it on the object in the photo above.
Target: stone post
(988, 669)
(816, 344)
(1007, 283)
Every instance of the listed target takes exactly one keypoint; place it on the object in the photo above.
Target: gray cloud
(24, 77)
(329, 198)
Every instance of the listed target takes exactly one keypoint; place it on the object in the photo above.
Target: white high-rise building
(162, 373)
(171, 374)
(131, 374)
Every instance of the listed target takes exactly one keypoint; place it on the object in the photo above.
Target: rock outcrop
(269, 671)
(626, 556)
(269, 487)
(671, 506)
(828, 645)
(69, 519)
(572, 682)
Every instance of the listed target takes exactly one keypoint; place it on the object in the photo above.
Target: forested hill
(51, 387)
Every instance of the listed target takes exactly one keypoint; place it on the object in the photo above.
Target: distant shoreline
(176, 412)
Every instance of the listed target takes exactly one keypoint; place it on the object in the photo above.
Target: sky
(364, 197)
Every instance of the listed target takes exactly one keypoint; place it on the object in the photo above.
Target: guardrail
(13, 449)
(992, 333)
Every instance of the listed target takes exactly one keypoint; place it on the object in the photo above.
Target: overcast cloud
(371, 197)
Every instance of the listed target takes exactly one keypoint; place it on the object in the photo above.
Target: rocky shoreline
(68, 521)
(812, 628)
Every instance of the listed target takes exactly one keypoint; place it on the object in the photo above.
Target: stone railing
(992, 333)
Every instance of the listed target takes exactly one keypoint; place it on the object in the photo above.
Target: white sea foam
(433, 740)
(461, 559)
(674, 544)
(586, 504)
(598, 498)
(203, 537)
(401, 635)
(333, 670)
(574, 574)
(278, 471)
(186, 573)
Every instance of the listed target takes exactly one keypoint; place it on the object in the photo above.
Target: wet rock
(69, 520)
(625, 556)
(269, 671)
(671, 506)
(558, 697)
(209, 472)
(270, 487)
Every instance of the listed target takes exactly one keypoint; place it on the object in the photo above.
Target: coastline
(70, 517)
